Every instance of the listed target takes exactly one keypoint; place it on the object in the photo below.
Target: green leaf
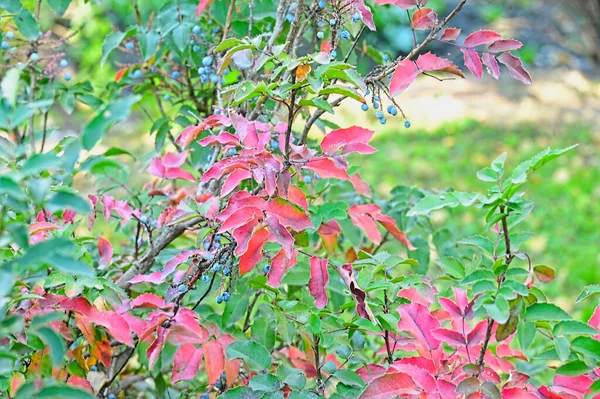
(562, 346)
(66, 200)
(452, 266)
(63, 392)
(498, 163)
(59, 6)
(39, 163)
(434, 202)
(545, 312)
(349, 377)
(238, 393)
(10, 85)
(148, 43)
(526, 333)
(234, 310)
(55, 343)
(588, 291)
(181, 36)
(342, 91)
(227, 44)
(113, 113)
(10, 187)
(468, 386)
(114, 40)
(253, 353)
(588, 346)
(573, 369)
(7, 362)
(12, 6)
(573, 327)
(265, 383)
(499, 310)
(487, 175)
(70, 265)
(481, 242)
(27, 25)
(477, 275)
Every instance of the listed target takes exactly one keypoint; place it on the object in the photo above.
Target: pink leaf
(342, 138)
(416, 319)
(370, 372)
(289, 215)
(105, 250)
(279, 265)
(517, 393)
(365, 14)
(473, 62)
(201, 6)
(148, 301)
(221, 139)
(327, 168)
(449, 336)
(424, 18)
(156, 168)
(296, 195)
(390, 386)
(594, 321)
(477, 334)
(515, 67)
(253, 254)
(186, 363)
(319, 277)
(450, 34)
(185, 329)
(360, 186)
(177, 173)
(214, 360)
(404, 4)
(80, 382)
(505, 45)
(154, 278)
(390, 225)
(177, 260)
(173, 160)
(156, 347)
(234, 179)
(362, 307)
(491, 63)
(279, 234)
(481, 37)
(406, 72)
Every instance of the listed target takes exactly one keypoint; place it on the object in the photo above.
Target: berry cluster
(391, 110)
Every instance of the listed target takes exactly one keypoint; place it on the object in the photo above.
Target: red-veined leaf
(417, 320)
(505, 45)
(424, 18)
(454, 338)
(105, 250)
(296, 196)
(515, 67)
(473, 62)
(186, 363)
(390, 386)
(450, 34)
(253, 254)
(319, 277)
(481, 37)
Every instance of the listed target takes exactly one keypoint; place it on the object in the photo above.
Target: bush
(255, 262)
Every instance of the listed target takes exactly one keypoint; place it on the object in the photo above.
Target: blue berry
(379, 114)
(317, 176)
(307, 179)
(332, 21)
(232, 151)
(216, 267)
(203, 78)
(376, 105)
(182, 288)
(64, 63)
(215, 30)
(111, 396)
(267, 269)
(289, 17)
(355, 17)
(209, 22)
(167, 97)
(217, 111)
(137, 74)
(320, 24)
(345, 35)
(214, 78)
(275, 144)
(393, 111)
(10, 35)
(129, 46)
(196, 49)
(333, 54)
(226, 296)
(390, 108)
(219, 299)
(223, 376)
(192, 41)
(93, 368)
(376, 98)
(153, 224)
(205, 279)
(364, 107)
(407, 124)
(196, 30)
(4, 45)
(34, 57)
(226, 271)
(207, 61)
(67, 77)
(175, 74)
(386, 57)
(204, 396)
(322, 3)
(367, 92)
(226, 72)
(320, 35)
(144, 219)
(382, 121)
(218, 384)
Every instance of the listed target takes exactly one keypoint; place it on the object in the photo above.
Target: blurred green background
(458, 126)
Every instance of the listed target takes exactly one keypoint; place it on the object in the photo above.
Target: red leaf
(416, 319)
(404, 4)
(406, 72)
(232, 367)
(289, 214)
(296, 196)
(214, 360)
(102, 351)
(491, 63)
(450, 34)
(347, 139)
(449, 336)
(221, 139)
(201, 6)
(424, 18)
(364, 216)
(154, 278)
(279, 234)
(254, 253)
(187, 329)
(156, 347)
(279, 265)
(240, 217)
(148, 301)
(189, 134)
(362, 307)
(594, 321)
(505, 45)
(319, 277)
(370, 372)
(473, 62)
(329, 232)
(327, 168)
(390, 225)
(177, 260)
(105, 250)
(80, 382)
(299, 360)
(120, 73)
(360, 186)
(515, 67)
(477, 334)
(481, 37)
(186, 363)
(390, 386)
(234, 179)
(517, 393)
(420, 376)
(365, 14)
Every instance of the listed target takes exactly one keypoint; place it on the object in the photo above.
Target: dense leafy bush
(255, 262)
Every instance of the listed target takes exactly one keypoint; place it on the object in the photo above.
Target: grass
(566, 191)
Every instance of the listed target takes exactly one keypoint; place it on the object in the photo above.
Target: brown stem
(249, 311)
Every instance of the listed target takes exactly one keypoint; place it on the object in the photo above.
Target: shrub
(256, 263)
